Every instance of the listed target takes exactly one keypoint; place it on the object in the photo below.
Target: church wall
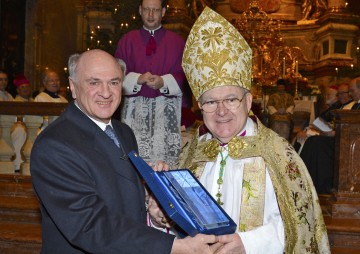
(56, 29)
(51, 32)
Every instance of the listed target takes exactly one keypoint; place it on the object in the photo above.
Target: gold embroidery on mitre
(235, 146)
(216, 55)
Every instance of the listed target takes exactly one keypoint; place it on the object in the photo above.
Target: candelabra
(263, 36)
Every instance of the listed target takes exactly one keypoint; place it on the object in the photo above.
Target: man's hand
(231, 244)
(159, 166)
(198, 244)
(144, 78)
(155, 82)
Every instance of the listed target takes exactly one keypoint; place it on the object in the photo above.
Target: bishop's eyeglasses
(229, 103)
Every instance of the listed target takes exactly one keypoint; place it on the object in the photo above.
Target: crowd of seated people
(318, 152)
(340, 100)
(50, 93)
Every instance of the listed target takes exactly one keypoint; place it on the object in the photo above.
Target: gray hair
(72, 63)
(45, 74)
(74, 59)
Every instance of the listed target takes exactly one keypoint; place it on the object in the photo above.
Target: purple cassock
(154, 115)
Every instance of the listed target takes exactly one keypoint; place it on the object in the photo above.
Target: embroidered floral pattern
(292, 169)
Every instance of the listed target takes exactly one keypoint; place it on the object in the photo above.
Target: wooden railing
(29, 118)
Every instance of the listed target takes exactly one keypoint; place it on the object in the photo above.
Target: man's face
(354, 91)
(151, 13)
(343, 94)
(3, 81)
(98, 84)
(223, 123)
(52, 82)
(24, 91)
(330, 95)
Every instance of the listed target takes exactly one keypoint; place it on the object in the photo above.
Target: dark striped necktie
(111, 133)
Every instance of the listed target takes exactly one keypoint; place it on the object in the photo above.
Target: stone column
(6, 149)
(33, 123)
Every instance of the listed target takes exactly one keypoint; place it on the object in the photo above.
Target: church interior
(312, 44)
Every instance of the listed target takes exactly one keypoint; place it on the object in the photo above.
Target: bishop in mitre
(254, 174)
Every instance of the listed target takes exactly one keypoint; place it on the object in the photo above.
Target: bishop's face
(226, 121)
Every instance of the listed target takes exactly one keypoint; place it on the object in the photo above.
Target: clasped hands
(153, 81)
(200, 243)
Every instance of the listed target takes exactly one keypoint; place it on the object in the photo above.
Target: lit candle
(296, 67)
(283, 67)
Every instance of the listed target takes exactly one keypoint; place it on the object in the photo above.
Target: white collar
(98, 123)
(152, 32)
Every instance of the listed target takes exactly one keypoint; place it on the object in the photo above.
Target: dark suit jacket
(92, 199)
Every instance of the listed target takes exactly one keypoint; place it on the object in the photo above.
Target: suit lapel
(96, 139)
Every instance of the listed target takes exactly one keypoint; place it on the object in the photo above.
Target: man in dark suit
(92, 200)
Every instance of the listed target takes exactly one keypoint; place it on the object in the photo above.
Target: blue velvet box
(185, 200)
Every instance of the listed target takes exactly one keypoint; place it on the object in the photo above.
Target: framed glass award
(185, 200)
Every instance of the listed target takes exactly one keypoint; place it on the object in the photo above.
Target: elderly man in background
(354, 91)
(23, 89)
(255, 175)
(4, 95)
(344, 101)
(51, 82)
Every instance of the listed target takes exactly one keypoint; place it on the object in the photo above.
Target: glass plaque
(185, 200)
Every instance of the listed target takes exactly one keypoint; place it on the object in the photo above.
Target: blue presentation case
(185, 200)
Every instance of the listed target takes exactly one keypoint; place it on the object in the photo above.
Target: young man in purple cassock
(154, 84)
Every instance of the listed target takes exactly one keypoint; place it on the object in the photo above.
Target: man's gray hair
(74, 59)
(72, 63)
(122, 67)
(45, 74)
